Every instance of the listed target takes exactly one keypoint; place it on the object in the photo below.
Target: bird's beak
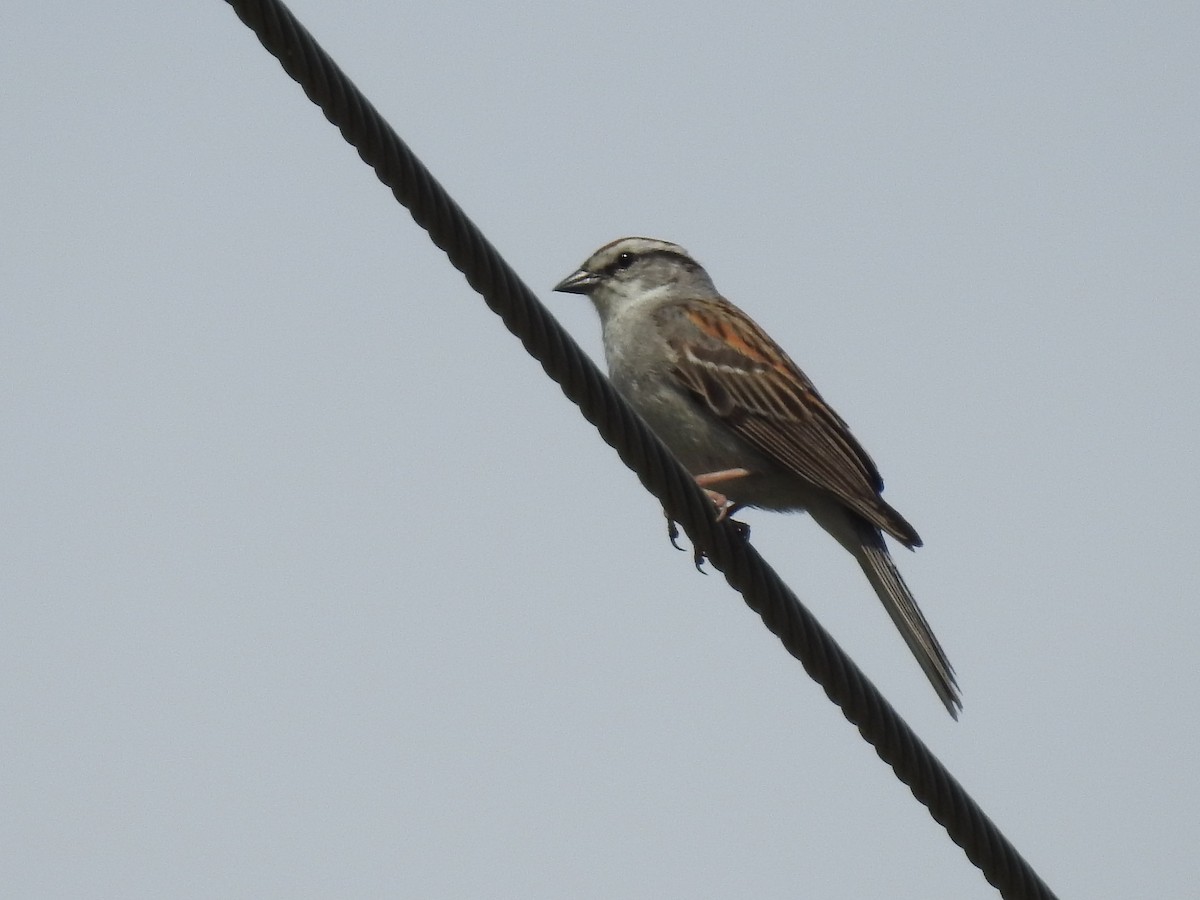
(578, 282)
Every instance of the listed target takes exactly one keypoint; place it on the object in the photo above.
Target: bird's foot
(698, 555)
(723, 505)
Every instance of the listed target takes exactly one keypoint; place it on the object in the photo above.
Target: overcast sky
(314, 585)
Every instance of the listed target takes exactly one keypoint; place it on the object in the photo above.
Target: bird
(744, 420)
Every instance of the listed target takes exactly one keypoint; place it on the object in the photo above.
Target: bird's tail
(898, 600)
(865, 541)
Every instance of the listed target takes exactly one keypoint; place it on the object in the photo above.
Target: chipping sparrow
(741, 416)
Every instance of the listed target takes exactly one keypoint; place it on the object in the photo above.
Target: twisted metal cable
(764, 592)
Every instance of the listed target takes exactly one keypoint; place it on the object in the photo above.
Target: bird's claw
(672, 532)
(698, 555)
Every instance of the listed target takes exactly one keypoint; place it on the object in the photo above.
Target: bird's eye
(624, 260)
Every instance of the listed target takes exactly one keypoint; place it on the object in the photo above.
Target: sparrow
(743, 418)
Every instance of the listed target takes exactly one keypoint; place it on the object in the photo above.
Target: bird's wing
(725, 360)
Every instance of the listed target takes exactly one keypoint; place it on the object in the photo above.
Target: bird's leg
(708, 478)
(724, 507)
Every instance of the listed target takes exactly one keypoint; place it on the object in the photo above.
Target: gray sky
(314, 585)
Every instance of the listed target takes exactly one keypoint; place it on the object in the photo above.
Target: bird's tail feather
(898, 600)
(866, 542)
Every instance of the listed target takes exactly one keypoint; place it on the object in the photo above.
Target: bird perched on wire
(743, 419)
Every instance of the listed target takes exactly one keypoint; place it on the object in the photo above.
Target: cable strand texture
(561, 358)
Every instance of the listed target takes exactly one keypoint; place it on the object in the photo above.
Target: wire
(764, 592)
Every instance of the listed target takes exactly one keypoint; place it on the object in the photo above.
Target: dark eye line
(622, 261)
(627, 258)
